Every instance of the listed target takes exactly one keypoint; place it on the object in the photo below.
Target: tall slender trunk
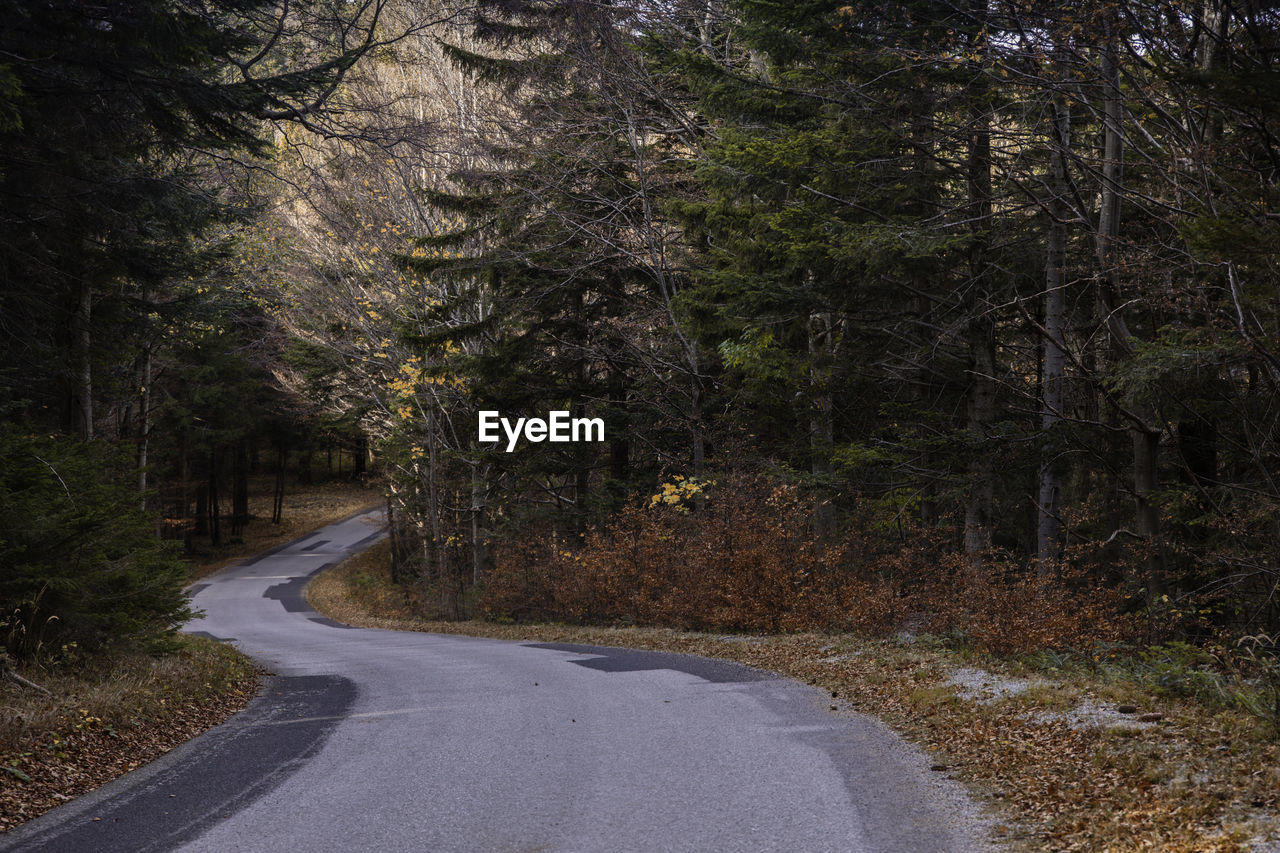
(1217, 20)
(277, 498)
(393, 533)
(980, 332)
(921, 376)
(1053, 367)
(1146, 435)
(706, 25)
(922, 398)
(697, 430)
(184, 476)
(144, 423)
(1146, 482)
(199, 481)
(821, 427)
(239, 488)
(479, 548)
(360, 456)
(305, 460)
(583, 454)
(439, 551)
(981, 412)
(215, 510)
(83, 332)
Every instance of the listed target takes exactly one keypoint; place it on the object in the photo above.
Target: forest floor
(305, 509)
(1069, 752)
(104, 720)
(105, 717)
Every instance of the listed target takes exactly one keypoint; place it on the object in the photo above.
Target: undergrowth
(740, 556)
(107, 715)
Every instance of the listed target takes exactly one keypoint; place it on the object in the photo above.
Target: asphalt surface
(393, 741)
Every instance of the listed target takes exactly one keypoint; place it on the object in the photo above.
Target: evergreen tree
(842, 255)
(563, 240)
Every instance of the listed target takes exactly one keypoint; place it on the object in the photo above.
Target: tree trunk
(479, 548)
(144, 423)
(277, 498)
(821, 426)
(239, 488)
(921, 378)
(1146, 436)
(394, 535)
(199, 479)
(1217, 20)
(980, 331)
(981, 412)
(1053, 369)
(305, 460)
(697, 433)
(439, 552)
(83, 332)
(360, 456)
(1146, 481)
(215, 515)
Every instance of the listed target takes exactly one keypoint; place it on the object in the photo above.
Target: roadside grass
(305, 509)
(1063, 762)
(109, 716)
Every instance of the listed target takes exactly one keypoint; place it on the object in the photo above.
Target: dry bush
(995, 601)
(745, 560)
(743, 557)
(1004, 608)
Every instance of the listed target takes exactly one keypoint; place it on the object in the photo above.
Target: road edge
(16, 836)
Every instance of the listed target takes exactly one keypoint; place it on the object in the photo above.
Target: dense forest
(951, 316)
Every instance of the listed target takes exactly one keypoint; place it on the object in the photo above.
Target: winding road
(371, 740)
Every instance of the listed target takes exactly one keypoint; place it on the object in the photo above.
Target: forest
(956, 316)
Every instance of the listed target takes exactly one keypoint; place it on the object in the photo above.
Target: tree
(82, 563)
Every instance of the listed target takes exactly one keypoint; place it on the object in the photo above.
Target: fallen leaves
(70, 752)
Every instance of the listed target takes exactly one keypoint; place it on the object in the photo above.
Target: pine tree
(841, 241)
(562, 239)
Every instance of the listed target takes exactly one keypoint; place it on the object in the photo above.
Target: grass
(107, 717)
(1205, 777)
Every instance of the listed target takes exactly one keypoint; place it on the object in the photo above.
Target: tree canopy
(995, 277)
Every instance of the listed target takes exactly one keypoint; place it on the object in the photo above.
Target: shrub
(79, 559)
(1005, 607)
(742, 557)
(1255, 682)
(746, 561)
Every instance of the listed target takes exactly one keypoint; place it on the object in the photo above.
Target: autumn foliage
(740, 555)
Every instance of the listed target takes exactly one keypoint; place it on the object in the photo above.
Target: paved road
(381, 740)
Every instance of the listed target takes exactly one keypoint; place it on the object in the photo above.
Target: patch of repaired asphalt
(608, 659)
